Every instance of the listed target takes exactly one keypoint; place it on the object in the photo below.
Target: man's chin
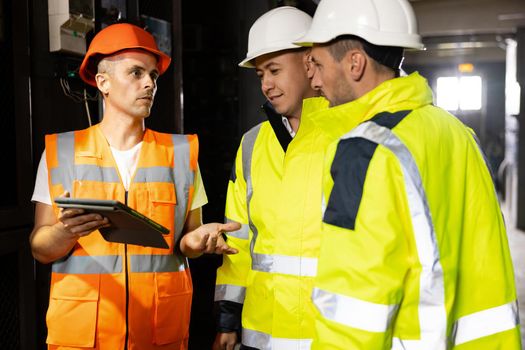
(335, 103)
(280, 110)
(144, 113)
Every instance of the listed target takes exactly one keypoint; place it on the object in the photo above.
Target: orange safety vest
(106, 295)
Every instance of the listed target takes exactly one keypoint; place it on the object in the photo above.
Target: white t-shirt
(288, 126)
(126, 163)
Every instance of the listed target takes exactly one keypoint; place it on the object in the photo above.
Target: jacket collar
(276, 122)
(403, 93)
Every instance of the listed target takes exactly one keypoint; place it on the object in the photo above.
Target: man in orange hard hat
(110, 295)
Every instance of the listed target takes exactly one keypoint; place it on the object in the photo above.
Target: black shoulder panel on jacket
(228, 316)
(389, 120)
(348, 171)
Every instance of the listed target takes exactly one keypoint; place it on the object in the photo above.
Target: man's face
(284, 81)
(131, 83)
(329, 77)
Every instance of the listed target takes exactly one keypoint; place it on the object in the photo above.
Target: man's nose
(150, 82)
(315, 81)
(267, 84)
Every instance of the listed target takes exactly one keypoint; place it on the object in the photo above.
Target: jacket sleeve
(230, 287)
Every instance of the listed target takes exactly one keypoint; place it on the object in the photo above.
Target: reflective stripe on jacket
(414, 253)
(100, 284)
(276, 196)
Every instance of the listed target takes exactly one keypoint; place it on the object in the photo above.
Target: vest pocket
(72, 313)
(162, 207)
(172, 307)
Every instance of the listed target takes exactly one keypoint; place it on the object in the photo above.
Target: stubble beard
(344, 93)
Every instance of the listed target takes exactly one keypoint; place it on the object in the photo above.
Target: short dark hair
(383, 57)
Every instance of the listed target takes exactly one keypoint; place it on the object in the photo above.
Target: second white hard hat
(274, 31)
(380, 22)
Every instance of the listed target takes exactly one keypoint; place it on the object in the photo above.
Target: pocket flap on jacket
(75, 287)
(162, 193)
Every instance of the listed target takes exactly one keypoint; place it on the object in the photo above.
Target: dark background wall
(17, 287)
(210, 52)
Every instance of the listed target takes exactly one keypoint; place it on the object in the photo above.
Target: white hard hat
(274, 31)
(380, 22)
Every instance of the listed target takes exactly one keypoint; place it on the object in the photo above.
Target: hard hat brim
(88, 67)
(412, 42)
(248, 62)
(310, 39)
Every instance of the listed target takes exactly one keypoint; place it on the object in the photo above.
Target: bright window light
(470, 93)
(463, 93)
(447, 93)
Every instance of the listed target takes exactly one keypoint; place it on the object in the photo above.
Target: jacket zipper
(126, 340)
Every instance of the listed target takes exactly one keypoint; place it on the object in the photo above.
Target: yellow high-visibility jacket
(120, 296)
(414, 253)
(276, 195)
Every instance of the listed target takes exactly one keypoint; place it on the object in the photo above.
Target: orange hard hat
(115, 38)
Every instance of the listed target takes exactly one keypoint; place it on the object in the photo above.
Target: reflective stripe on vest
(289, 265)
(432, 313)
(184, 178)
(107, 264)
(81, 264)
(353, 312)
(230, 292)
(484, 323)
(263, 341)
(65, 172)
(248, 143)
(154, 174)
(242, 233)
(157, 263)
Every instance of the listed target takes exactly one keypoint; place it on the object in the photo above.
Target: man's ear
(308, 64)
(355, 64)
(103, 83)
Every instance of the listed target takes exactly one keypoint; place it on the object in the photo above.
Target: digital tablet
(127, 225)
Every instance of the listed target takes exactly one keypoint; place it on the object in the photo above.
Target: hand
(208, 239)
(225, 341)
(78, 223)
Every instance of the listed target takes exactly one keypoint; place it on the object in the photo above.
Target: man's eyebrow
(269, 64)
(136, 66)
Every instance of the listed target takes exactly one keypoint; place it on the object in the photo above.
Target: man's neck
(122, 132)
(294, 122)
(371, 82)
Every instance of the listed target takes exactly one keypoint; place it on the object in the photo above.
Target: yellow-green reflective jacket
(276, 195)
(414, 253)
